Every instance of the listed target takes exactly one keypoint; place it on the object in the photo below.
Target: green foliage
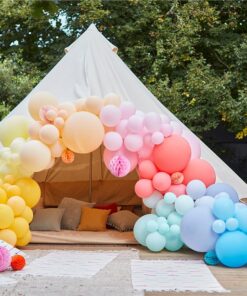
(191, 54)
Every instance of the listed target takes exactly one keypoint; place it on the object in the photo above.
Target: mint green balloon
(140, 228)
(155, 242)
(163, 209)
(174, 218)
(173, 243)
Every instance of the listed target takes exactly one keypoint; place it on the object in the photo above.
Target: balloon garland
(188, 207)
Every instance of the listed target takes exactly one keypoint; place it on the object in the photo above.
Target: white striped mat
(173, 275)
(5, 281)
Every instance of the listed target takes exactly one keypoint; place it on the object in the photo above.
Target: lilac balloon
(196, 189)
(133, 142)
(217, 188)
(196, 229)
(113, 141)
(157, 138)
(127, 109)
(135, 124)
(205, 201)
(121, 128)
(177, 128)
(194, 144)
(166, 129)
(152, 121)
(110, 115)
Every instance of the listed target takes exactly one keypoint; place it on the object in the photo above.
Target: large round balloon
(30, 191)
(172, 155)
(231, 249)
(199, 169)
(223, 187)
(39, 100)
(35, 156)
(20, 227)
(14, 127)
(83, 132)
(196, 229)
(140, 228)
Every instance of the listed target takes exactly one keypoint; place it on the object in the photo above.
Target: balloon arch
(188, 207)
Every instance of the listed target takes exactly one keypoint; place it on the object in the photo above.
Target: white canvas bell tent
(92, 67)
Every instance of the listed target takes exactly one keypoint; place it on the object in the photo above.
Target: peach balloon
(51, 115)
(94, 104)
(147, 169)
(63, 113)
(44, 110)
(57, 148)
(59, 122)
(112, 99)
(80, 105)
(83, 132)
(35, 156)
(144, 188)
(49, 134)
(51, 164)
(38, 100)
(68, 107)
(34, 129)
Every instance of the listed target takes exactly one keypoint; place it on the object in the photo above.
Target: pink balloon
(152, 122)
(147, 169)
(133, 142)
(194, 144)
(132, 157)
(113, 141)
(140, 113)
(147, 140)
(127, 109)
(164, 118)
(144, 188)
(135, 124)
(145, 152)
(166, 129)
(177, 128)
(119, 166)
(121, 128)
(177, 189)
(157, 138)
(161, 181)
(110, 115)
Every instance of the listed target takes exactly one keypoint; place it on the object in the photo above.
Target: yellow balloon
(8, 236)
(13, 190)
(83, 132)
(14, 127)
(39, 100)
(25, 240)
(3, 196)
(20, 227)
(6, 216)
(17, 204)
(9, 179)
(94, 104)
(27, 214)
(30, 191)
(5, 186)
(112, 99)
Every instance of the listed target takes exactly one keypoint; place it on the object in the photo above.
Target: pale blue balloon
(183, 204)
(163, 228)
(215, 189)
(231, 249)
(205, 201)
(163, 209)
(241, 216)
(152, 226)
(170, 197)
(196, 189)
(173, 243)
(155, 242)
(231, 224)
(175, 230)
(174, 218)
(219, 226)
(161, 220)
(223, 207)
(140, 228)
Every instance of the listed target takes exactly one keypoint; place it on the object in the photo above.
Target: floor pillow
(122, 220)
(47, 220)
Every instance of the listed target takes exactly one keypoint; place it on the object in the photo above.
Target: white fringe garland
(173, 275)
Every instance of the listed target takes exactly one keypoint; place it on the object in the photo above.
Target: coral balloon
(17, 205)
(38, 100)
(83, 132)
(49, 134)
(94, 104)
(110, 115)
(161, 181)
(68, 156)
(35, 156)
(144, 188)
(172, 155)
(113, 141)
(14, 127)
(112, 99)
(133, 142)
(27, 214)
(30, 191)
(8, 236)
(199, 169)
(147, 169)
(20, 227)
(7, 216)
(25, 240)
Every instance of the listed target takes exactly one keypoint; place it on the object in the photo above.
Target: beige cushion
(123, 220)
(72, 213)
(47, 220)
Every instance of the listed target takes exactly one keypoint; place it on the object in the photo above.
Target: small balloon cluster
(16, 262)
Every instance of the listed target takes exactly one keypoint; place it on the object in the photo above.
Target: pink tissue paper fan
(119, 166)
